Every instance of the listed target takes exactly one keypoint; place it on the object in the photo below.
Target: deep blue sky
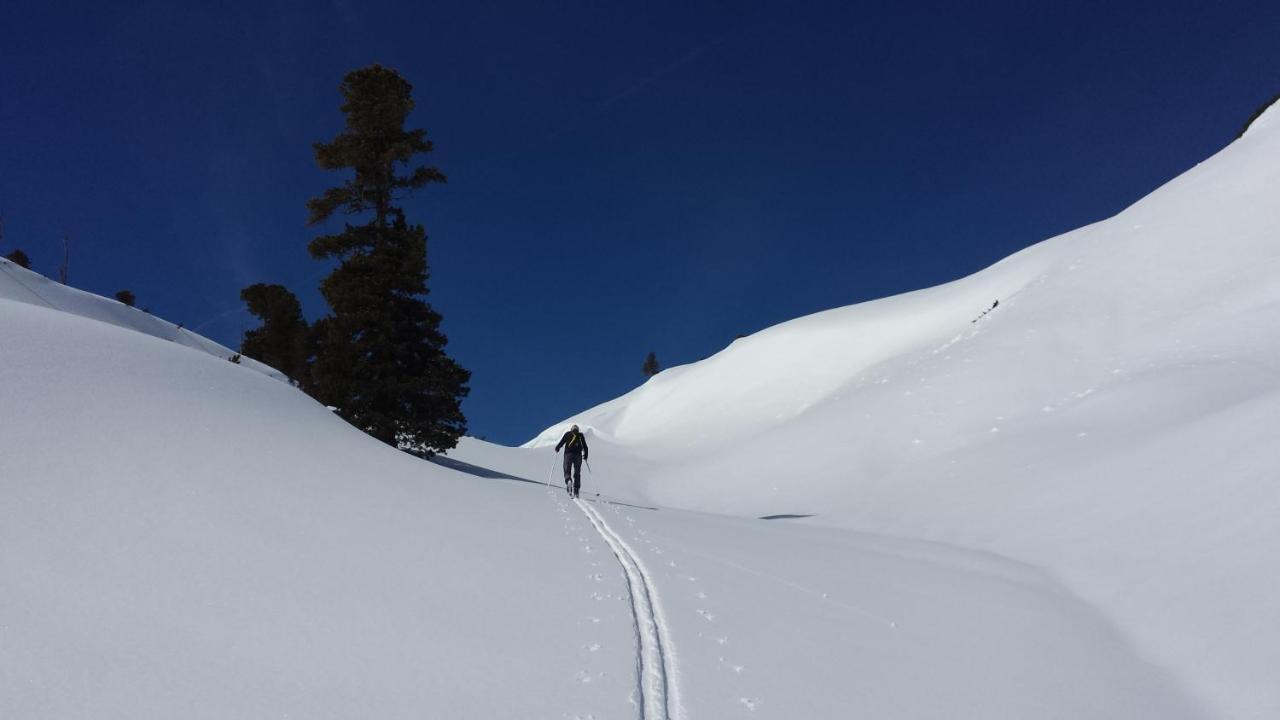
(623, 177)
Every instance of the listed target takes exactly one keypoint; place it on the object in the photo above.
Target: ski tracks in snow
(657, 680)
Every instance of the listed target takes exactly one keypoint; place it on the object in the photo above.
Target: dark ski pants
(573, 471)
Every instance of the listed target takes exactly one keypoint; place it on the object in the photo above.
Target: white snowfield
(1111, 422)
(1066, 509)
(21, 285)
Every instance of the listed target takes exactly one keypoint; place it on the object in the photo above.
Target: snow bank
(183, 537)
(25, 286)
(1109, 421)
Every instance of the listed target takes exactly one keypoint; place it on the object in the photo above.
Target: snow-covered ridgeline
(1110, 421)
(26, 286)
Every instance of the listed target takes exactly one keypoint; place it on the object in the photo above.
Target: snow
(21, 285)
(1061, 507)
(1109, 422)
(183, 537)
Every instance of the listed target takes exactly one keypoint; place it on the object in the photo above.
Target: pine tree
(283, 341)
(17, 257)
(651, 366)
(1257, 114)
(380, 355)
(127, 297)
(64, 268)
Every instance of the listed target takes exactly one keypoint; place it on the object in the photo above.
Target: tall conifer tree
(380, 355)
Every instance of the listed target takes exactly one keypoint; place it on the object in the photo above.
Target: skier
(575, 451)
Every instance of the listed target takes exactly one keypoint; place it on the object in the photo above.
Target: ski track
(655, 658)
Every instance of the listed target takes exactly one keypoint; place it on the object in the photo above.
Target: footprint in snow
(591, 647)
(749, 703)
(701, 595)
(706, 615)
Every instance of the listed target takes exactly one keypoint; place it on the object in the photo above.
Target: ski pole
(551, 471)
(593, 482)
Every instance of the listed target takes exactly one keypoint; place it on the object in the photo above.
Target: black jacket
(573, 442)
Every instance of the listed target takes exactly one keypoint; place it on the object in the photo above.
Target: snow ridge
(21, 285)
(655, 659)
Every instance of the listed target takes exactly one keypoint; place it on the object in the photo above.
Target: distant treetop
(17, 257)
(1256, 114)
(651, 366)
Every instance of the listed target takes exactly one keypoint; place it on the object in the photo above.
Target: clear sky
(623, 177)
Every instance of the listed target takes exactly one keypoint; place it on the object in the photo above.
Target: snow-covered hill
(1066, 509)
(1110, 421)
(21, 285)
(181, 536)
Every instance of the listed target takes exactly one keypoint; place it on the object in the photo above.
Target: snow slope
(181, 536)
(25, 286)
(184, 537)
(1109, 423)
(1066, 509)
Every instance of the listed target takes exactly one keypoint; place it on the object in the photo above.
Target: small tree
(1257, 114)
(380, 356)
(17, 257)
(284, 340)
(651, 366)
(64, 268)
(126, 297)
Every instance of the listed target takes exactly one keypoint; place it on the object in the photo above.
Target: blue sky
(623, 177)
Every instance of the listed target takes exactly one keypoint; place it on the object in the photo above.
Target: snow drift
(181, 536)
(1109, 421)
(21, 285)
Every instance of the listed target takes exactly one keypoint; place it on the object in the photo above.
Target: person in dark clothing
(575, 451)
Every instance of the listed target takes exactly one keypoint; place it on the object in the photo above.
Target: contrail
(641, 84)
(661, 73)
(215, 318)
